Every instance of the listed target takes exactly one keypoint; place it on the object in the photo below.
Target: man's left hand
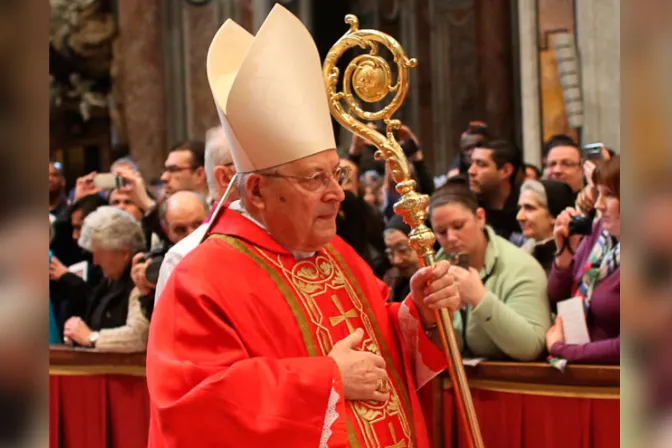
(76, 330)
(433, 288)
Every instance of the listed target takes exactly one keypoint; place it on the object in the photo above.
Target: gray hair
(538, 189)
(112, 229)
(217, 153)
(241, 179)
(124, 161)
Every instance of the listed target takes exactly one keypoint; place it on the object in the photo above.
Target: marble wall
(596, 26)
(598, 34)
(162, 79)
(200, 23)
(141, 82)
(553, 17)
(187, 31)
(530, 100)
(465, 72)
(472, 72)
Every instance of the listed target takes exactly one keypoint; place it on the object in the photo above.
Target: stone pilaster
(529, 81)
(142, 82)
(199, 24)
(598, 38)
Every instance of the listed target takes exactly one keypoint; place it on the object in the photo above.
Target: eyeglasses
(403, 251)
(319, 180)
(172, 169)
(563, 164)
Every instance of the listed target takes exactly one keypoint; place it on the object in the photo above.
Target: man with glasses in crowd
(403, 259)
(185, 168)
(563, 162)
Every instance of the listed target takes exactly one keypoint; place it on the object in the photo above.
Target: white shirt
(175, 255)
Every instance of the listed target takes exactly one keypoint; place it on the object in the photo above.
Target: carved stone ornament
(81, 36)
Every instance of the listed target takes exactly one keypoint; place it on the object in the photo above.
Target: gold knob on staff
(369, 77)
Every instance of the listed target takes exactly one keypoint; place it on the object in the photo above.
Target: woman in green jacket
(505, 310)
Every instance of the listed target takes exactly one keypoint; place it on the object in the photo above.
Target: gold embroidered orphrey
(310, 279)
(320, 278)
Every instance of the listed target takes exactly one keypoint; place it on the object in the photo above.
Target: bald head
(182, 213)
(219, 169)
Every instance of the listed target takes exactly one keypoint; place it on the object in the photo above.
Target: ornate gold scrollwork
(369, 78)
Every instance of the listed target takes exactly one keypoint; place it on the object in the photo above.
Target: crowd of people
(531, 238)
(108, 243)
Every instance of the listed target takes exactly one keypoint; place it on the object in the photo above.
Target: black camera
(155, 257)
(153, 268)
(582, 225)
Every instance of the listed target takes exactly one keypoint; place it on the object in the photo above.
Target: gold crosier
(369, 77)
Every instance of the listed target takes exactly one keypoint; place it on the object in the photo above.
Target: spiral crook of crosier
(369, 78)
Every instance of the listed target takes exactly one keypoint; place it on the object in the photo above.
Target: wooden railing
(80, 361)
(543, 373)
(65, 360)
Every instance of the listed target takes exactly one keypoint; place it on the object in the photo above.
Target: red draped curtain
(113, 411)
(515, 420)
(87, 410)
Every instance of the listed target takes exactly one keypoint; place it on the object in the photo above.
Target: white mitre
(269, 92)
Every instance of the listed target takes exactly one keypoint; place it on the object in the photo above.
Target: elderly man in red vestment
(273, 332)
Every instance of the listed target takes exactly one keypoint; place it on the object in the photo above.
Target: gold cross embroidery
(344, 317)
(400, 444)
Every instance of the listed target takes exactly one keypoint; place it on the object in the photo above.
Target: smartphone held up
(108, 181)
(593, 152)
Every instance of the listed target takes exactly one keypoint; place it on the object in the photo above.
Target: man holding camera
(181, 214)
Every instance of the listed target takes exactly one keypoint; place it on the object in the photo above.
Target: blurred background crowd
(534, 236)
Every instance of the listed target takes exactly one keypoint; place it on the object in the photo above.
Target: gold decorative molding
(96, 370)
(546, 390)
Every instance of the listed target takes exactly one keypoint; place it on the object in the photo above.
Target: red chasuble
(238, 343)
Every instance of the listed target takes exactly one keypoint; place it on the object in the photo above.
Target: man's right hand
(358, 143)
(135, 188)
(562, 237)
(138, 270)
(85, 186)
(362, 373)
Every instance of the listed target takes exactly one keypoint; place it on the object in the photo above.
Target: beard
(486, 189)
